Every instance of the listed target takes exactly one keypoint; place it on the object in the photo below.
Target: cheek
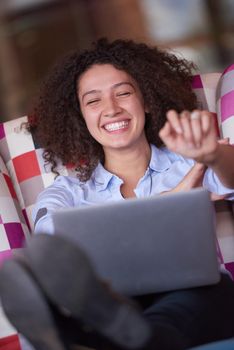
(138, 106)
(90, 116)
(90, 121)
(87, 118)
(91, 125)
(140, 112)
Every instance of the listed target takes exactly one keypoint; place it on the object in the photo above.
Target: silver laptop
(148, 245)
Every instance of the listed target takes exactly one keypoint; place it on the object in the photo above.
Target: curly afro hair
(56, 119)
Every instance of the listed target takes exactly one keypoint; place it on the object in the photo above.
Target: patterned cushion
(8, 334)
(10, 343)
(13, 231)
(13, 228)
(25, 164)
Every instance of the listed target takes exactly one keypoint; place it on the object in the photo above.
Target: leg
(220, 345)
(187, 318)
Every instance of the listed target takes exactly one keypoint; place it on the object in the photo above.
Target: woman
(110, 112)
(104, 111)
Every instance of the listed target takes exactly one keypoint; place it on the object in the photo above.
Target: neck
(129, 165)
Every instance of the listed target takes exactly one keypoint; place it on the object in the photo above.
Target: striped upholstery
(225, 103)
(26, 169)
(215, 91)
(225, 113)
(205, 87)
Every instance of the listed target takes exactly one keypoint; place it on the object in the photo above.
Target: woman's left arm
(193, 135)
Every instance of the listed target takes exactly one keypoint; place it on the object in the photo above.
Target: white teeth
(116, 126)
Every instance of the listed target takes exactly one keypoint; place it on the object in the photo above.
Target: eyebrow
(90, 92)
(113, 87)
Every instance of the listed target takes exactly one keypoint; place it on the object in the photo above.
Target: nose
(111, 107)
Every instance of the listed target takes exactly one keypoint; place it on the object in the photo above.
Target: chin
(119, 146)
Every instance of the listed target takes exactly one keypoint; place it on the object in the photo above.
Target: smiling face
(112, 106)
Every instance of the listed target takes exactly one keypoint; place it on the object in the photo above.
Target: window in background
(192, 29)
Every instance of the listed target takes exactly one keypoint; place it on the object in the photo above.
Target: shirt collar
(102, 177)
(159, 162)
(159, 159)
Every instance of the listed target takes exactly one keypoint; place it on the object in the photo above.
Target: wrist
(212, 158)
(209, 157)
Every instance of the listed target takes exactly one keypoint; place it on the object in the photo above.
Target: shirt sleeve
(212, 183)
(53, 198)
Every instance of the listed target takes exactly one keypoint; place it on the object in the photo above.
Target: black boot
(67, 278)
(27, 309)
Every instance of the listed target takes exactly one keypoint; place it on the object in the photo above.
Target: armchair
(23, 175)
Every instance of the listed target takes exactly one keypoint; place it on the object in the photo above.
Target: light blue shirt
(165, 171)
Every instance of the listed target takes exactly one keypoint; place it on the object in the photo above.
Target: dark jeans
(179, 319)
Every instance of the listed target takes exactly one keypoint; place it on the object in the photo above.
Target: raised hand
(191, 134)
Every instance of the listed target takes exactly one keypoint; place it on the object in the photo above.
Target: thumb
(224, 141)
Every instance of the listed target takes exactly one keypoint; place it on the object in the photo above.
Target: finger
(205, 122)
(174, 120)
(166, 134)
(165, 131)
(187, 130)
(195, 118)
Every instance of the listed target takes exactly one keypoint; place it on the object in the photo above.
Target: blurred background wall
(34, 33)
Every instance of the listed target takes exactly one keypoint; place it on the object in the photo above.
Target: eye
(124, 93)
(94, 101)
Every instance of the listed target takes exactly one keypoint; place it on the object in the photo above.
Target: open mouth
(116, 126)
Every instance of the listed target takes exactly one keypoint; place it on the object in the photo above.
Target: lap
(196, 315)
